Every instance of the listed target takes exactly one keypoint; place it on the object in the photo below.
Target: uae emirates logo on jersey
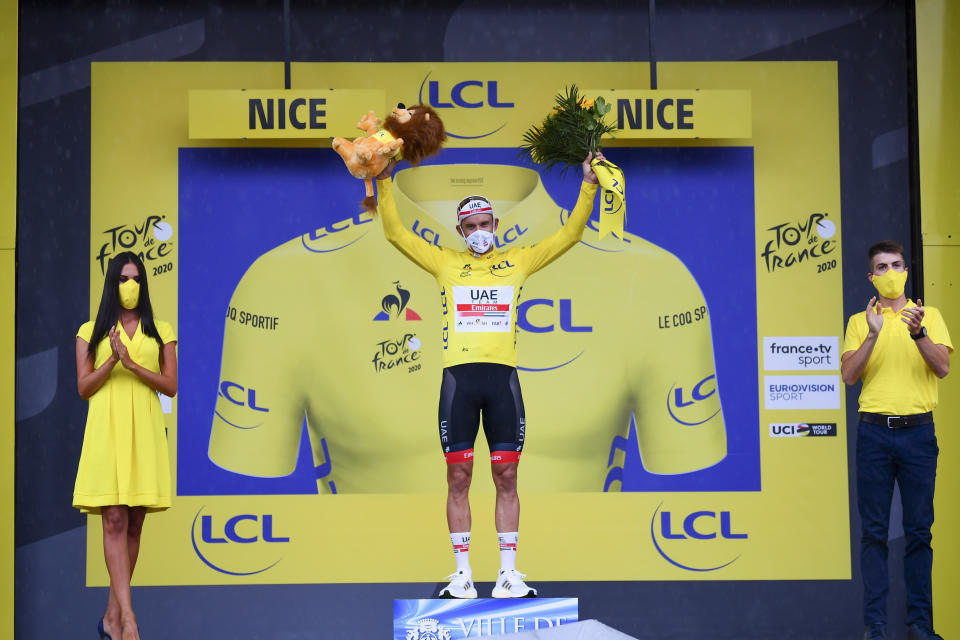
(428, 629)
(394, 306)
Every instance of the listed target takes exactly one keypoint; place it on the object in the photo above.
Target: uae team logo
(394, 306)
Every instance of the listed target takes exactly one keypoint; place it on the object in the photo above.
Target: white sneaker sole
(466, 595)
(505, 593)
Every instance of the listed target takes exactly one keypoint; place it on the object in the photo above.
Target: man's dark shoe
(876, 631)
(916, 632)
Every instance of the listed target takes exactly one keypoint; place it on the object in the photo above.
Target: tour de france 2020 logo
(151, 239)
(400, 352)
(791, 244)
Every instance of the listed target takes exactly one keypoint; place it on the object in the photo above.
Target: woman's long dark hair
(109, 312)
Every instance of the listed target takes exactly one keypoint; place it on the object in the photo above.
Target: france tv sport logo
(464, 94)
(242, 545)
(800, 353)
(700, 540)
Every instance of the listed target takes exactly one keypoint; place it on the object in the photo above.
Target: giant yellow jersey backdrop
(671, 403)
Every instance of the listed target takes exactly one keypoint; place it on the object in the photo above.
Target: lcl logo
(240, 529)
(464, 94)
(692, 406)
(680, 534)
(559, 318)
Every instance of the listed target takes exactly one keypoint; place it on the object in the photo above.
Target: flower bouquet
(567, 134)
(571, 130)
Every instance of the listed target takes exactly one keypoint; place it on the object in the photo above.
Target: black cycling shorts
(481, 388)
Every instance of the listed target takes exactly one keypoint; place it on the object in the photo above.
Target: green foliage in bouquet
(571, 130)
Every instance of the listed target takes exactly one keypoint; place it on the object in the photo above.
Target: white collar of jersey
(515, 192)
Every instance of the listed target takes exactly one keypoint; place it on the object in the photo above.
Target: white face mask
(480, 241)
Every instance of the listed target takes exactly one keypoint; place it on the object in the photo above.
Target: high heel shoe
(103, 634)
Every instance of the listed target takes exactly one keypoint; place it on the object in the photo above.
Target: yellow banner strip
(679, 113)
(302, 113)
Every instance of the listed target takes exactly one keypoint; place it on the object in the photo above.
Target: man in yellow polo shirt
(898, 348)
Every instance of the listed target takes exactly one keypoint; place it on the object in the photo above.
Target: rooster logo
(393, 305)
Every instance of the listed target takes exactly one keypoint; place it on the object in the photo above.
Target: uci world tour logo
(465, 94)
(242, 545)
(696, 540)
(393, 306)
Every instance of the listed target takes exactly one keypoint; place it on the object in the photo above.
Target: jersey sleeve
(673, 378)
(937, 328)
(258, 417)
(428, 257)
(166, 332)
(854, 335)
(85, 332)
(541, 254)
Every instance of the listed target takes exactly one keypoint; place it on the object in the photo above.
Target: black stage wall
(58, 41)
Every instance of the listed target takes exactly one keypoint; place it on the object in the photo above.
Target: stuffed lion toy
(411, 134)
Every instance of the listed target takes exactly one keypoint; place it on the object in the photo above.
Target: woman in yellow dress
(124, 358)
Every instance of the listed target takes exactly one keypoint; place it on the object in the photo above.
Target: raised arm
(935, 354)
(552, 247)
(857, 348)
(425, 255)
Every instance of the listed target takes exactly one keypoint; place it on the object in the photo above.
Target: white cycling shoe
(461, 586)
(510, 584)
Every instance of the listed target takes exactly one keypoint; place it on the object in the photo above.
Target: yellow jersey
(338, 329)
(896, 378)
(479, 294)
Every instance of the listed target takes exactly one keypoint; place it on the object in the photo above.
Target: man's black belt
(897, 422)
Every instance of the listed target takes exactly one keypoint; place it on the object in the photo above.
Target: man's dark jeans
(909, 457)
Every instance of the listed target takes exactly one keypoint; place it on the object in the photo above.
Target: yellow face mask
(129, 294)
(891, 283)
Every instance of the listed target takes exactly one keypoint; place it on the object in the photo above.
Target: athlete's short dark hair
(884, 246)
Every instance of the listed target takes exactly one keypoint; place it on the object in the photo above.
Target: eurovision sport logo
(802, 392)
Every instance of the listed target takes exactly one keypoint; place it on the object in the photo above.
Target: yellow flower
(586, 103)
